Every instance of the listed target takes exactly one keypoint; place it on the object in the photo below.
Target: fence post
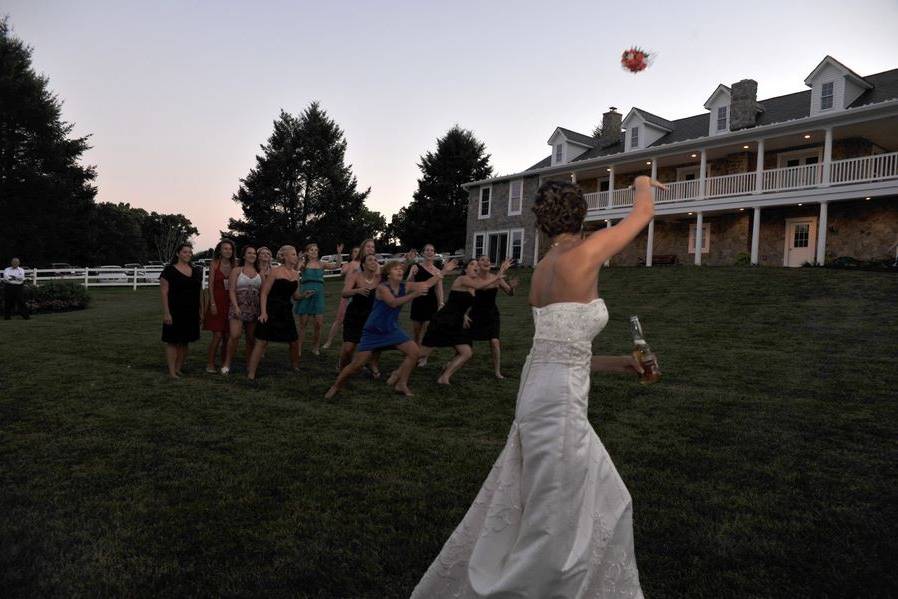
(135, 279)
(34, 277)
(86, 276)
(205, 278)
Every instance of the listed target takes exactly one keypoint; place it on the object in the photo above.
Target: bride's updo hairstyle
(559, 207)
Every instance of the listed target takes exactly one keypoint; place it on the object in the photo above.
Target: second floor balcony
(794, 167)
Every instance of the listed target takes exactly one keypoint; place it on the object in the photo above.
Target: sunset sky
(178, 95)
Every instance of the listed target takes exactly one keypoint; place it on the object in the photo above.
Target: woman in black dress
(359, 290)
(424, 307)
(447, 325)
(180, 284)
(484, 314)
(276, 310)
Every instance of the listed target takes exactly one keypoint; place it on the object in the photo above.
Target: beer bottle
(644, 354)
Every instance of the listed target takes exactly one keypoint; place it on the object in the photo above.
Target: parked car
(64, 270)
(110, 273)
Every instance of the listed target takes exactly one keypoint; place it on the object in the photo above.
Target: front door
(801, 241)
(498, 248)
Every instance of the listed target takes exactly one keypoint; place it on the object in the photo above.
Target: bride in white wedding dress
(553, 518)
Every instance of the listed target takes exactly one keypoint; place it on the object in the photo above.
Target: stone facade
(866, 230)
(500, 220)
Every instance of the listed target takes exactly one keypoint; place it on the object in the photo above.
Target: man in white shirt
(13, 279)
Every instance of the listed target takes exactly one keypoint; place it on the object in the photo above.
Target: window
(515, 193)
(634, 137)
(802, 235)
(485, 208)
(517, 244)
(826, 96)
(722, 118)
(478, 245)
(706, 238)
(559, 153)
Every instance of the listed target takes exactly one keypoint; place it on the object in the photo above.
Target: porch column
(755, 235)
(759, 169)
(610, 190)
(535, 246)
(608, 224)
(573, 177)
(827, 155)
(654, 176)
(651, 242)
(702, 169)
(821, 234)
(698, 237)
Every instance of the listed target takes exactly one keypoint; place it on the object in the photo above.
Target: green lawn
(763, 465)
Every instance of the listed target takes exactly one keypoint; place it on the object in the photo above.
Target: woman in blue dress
(381, 330)
(311, 272)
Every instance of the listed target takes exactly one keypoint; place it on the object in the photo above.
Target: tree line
(300, 190)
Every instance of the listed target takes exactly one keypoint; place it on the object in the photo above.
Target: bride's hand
(644, 182)
(632, 365)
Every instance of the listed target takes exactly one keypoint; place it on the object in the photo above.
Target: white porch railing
(730, 185)
(677, 192)
(842, 172)
(596, 200)
(793, 177)
(866, 168)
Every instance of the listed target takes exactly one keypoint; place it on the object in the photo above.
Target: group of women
(276, 304)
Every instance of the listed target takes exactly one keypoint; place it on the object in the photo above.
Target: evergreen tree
(117, 235)
(46, 196)
(438, 211)
(301, 189)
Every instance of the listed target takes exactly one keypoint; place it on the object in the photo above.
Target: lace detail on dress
(548, 351)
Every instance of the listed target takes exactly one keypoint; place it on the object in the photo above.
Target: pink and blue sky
(179, 95)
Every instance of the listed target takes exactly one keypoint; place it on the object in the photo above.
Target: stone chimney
(611, 122)
(743, 104)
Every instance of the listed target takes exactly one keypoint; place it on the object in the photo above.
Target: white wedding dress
(553, 519)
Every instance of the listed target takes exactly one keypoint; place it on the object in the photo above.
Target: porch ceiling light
(799, 204)
(695, 155)
(866, 198)
(608, 170)
(742, 210)
(807, 136)
(648, 162)
(689, 213)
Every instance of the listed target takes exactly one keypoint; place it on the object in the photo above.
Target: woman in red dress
(216, 318)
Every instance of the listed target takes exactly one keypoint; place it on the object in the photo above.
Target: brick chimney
(744, 104)
(611, 122)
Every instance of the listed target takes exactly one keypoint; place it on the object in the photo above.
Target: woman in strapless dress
(554, 518)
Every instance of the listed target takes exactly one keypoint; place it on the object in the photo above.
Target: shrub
(743, 259)
(55, 296)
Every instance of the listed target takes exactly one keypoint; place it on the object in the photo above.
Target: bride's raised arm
(605, 243)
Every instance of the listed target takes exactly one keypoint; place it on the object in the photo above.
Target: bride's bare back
(569, 272)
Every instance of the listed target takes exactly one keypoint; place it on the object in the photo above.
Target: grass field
(763, 465)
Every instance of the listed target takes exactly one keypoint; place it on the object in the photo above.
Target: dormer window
(826, 95)
(722, 118)
(559, 153)
(634, 137)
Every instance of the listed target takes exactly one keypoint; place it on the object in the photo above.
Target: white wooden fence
(111, 277)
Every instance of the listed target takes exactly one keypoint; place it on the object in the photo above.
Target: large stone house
(784, 181)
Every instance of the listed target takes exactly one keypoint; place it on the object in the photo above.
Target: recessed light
(695, 155)
(608, 169)
(808, 136)
(648, 161)
(689, 213)
(607, 221)
(866, 198)
(742, 210)
(799, 204)
(744, 147)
